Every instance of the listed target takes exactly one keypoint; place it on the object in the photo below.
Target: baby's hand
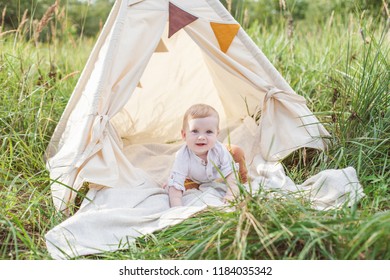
(164, 186)
(228, 199)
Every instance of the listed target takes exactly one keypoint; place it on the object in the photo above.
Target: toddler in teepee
(203, 158)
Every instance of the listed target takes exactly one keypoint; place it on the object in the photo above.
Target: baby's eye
(209, 132)
(194, 131)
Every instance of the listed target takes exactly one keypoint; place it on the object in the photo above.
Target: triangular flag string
(161, 47)
(225, 34)
(178, 19)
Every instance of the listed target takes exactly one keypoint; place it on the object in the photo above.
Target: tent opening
(180, 73)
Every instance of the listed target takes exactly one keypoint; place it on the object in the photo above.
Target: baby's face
(201, 135)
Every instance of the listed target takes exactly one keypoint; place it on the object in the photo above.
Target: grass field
(339, 63)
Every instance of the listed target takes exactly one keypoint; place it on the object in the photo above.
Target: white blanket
(111, 218)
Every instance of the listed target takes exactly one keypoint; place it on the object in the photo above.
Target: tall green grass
(35, 83)
(339, 66)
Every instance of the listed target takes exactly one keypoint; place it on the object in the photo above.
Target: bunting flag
(225, 34)
(178, 19)
(161, 47)
(139, 85)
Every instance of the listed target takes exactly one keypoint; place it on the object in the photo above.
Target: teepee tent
(153, 59)
(121, 127)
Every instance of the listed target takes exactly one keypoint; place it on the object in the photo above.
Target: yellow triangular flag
(225, 34)
(161, 47)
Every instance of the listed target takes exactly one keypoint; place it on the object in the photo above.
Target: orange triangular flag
(178, 19)
(225, 34)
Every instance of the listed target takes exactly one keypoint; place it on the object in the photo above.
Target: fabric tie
(281, 94)
(98, 131)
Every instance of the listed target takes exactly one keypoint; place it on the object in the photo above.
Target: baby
(202, 158)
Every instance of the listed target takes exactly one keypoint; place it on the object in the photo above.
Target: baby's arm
(175, 184)
(232, 188)
(227, 171)
(175, 197)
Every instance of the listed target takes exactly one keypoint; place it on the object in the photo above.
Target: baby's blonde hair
(198, 111)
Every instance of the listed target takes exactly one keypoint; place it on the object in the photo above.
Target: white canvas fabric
(121, 126)
(111, 219)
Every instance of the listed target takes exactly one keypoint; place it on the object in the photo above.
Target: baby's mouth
(200, 144)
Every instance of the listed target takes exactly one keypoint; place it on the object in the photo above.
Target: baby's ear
(183, 134)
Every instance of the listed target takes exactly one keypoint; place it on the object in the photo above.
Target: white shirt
(188, 165)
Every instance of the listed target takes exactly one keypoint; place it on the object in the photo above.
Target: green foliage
(80, 18)
(13, 10)
(35, 86)
(269, 12)
(89, 19)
